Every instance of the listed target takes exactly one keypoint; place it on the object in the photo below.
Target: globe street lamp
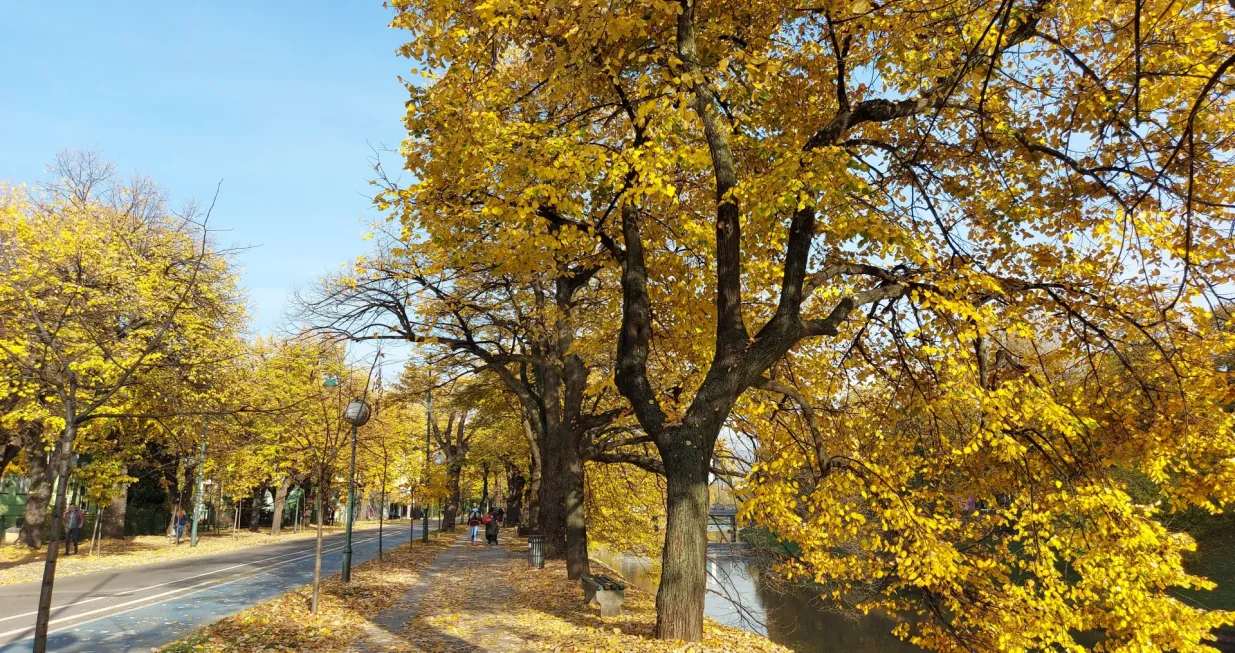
(356, 414)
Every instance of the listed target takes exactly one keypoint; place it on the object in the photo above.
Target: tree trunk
(317, 556)
(683, 580)
(96, 538)
(575, 521)
(453, 471)
(531, 518)
(280, 500)
(553, 498)
(62, 468)
(9, 455)
(515, 483)
(484, 489)
(113, 514)
(39, 474)
(255, 510)
(171, 497)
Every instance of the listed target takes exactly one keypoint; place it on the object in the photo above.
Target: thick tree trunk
(255, 509)
(553, 499)
(515, 483)
(453, 471)
(280, 500)
(38, 473)
(683, 580)
(575, 518)
(113, 514)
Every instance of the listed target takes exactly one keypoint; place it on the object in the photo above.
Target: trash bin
(536, 551)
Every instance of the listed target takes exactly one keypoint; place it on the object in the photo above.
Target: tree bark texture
(255, 508)
(531, 517)
(484, 489)
(9, 455)
(317, 555)
(453, 472)
(515, 483)
(171, 496)
(575, 517)
(683, 580)
(454, 444)
(61, 472)
(114, 512)
(39, 476)
(553, 501)
(280, 500)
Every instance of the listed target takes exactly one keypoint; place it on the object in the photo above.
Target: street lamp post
(356, 414)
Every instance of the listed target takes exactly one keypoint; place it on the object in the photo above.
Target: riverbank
(450, 596)
(792, 616)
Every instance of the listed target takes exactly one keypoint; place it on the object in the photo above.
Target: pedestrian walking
(74, 518)
(491, 526)
(473, 521)
(501, 517)
(181, 520)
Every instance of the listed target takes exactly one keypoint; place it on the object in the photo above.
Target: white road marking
(76, 617)
(114, 593)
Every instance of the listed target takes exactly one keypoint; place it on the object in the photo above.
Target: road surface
(137, 608)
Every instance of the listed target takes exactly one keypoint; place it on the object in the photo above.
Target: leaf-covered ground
(19, 564)
(473, 599)
(285, 623)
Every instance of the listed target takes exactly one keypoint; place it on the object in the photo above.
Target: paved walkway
(465, 580)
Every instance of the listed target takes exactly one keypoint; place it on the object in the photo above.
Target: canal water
(739, 596)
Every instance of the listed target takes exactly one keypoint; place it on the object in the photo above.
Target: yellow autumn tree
(307, 384)
(97, 297)
(988, 235)
(531, 312)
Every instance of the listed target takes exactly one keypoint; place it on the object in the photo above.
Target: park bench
(603, 591)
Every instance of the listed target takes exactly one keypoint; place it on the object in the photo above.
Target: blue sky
(281, 101)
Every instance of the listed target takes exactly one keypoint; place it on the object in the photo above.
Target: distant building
(13, 490)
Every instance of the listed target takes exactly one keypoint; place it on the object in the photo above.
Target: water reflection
(739, 596)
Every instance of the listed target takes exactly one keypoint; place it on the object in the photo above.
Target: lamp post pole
(424, 510)
(351, 499)
(357, 413)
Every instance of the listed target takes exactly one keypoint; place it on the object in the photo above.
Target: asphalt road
(137, 608)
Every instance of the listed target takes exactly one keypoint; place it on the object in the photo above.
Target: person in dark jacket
(74, 518)
(491, 526)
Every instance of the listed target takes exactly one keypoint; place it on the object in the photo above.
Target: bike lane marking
(148, 603)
